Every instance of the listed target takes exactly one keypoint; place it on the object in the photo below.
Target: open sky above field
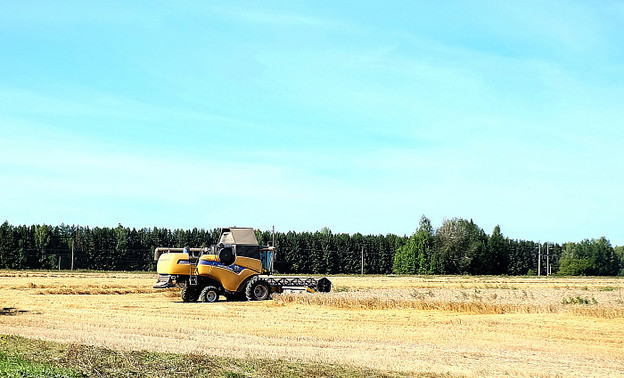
(359, 116)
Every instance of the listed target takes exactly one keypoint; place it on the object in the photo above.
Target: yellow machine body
(230, 276)
(173, 263)
(208, 266)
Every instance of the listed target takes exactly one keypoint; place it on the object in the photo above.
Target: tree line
(458, 246)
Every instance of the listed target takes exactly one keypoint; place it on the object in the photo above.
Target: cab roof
(238, 236)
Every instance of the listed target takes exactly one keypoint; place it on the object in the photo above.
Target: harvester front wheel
(209, 294)
(190, 293)
(258, 290)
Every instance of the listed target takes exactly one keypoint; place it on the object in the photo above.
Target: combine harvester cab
(236, 267)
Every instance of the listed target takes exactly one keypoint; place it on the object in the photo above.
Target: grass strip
(23, 357)
(13, 365)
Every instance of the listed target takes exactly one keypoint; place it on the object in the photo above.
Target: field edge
(27, 357)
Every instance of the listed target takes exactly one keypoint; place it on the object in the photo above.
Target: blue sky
(358, 116)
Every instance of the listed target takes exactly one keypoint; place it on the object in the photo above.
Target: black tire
(209, 294)
(323, 285)
(190, 293)
(258, 290)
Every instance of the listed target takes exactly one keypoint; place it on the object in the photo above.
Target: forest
(458, 246)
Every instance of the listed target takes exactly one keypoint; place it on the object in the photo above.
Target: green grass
(607, 288)
(340, 289)
(22, 357)
(12, 365)
(579, 300)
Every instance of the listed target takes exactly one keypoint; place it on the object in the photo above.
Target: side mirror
(227, 256)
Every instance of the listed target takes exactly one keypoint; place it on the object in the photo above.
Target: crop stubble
(456, 325)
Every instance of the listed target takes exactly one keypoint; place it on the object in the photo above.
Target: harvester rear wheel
(190, 293)
(209, 294)
(258, 290)
(324, 285)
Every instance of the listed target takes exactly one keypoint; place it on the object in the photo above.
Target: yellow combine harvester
(237, 267)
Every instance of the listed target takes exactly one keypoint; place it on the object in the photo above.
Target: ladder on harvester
(193, 260)
(193, 275)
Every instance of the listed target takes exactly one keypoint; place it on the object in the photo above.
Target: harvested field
(603, 302)
(443, 325)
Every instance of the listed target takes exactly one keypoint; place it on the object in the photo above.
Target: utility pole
(547, 259)
(274, 250)
(539, 260)
(72, 260)
(362, 260)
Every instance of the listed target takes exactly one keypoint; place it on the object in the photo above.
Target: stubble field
(410, 325)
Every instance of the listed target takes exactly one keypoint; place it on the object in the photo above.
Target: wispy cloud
(353, 118)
